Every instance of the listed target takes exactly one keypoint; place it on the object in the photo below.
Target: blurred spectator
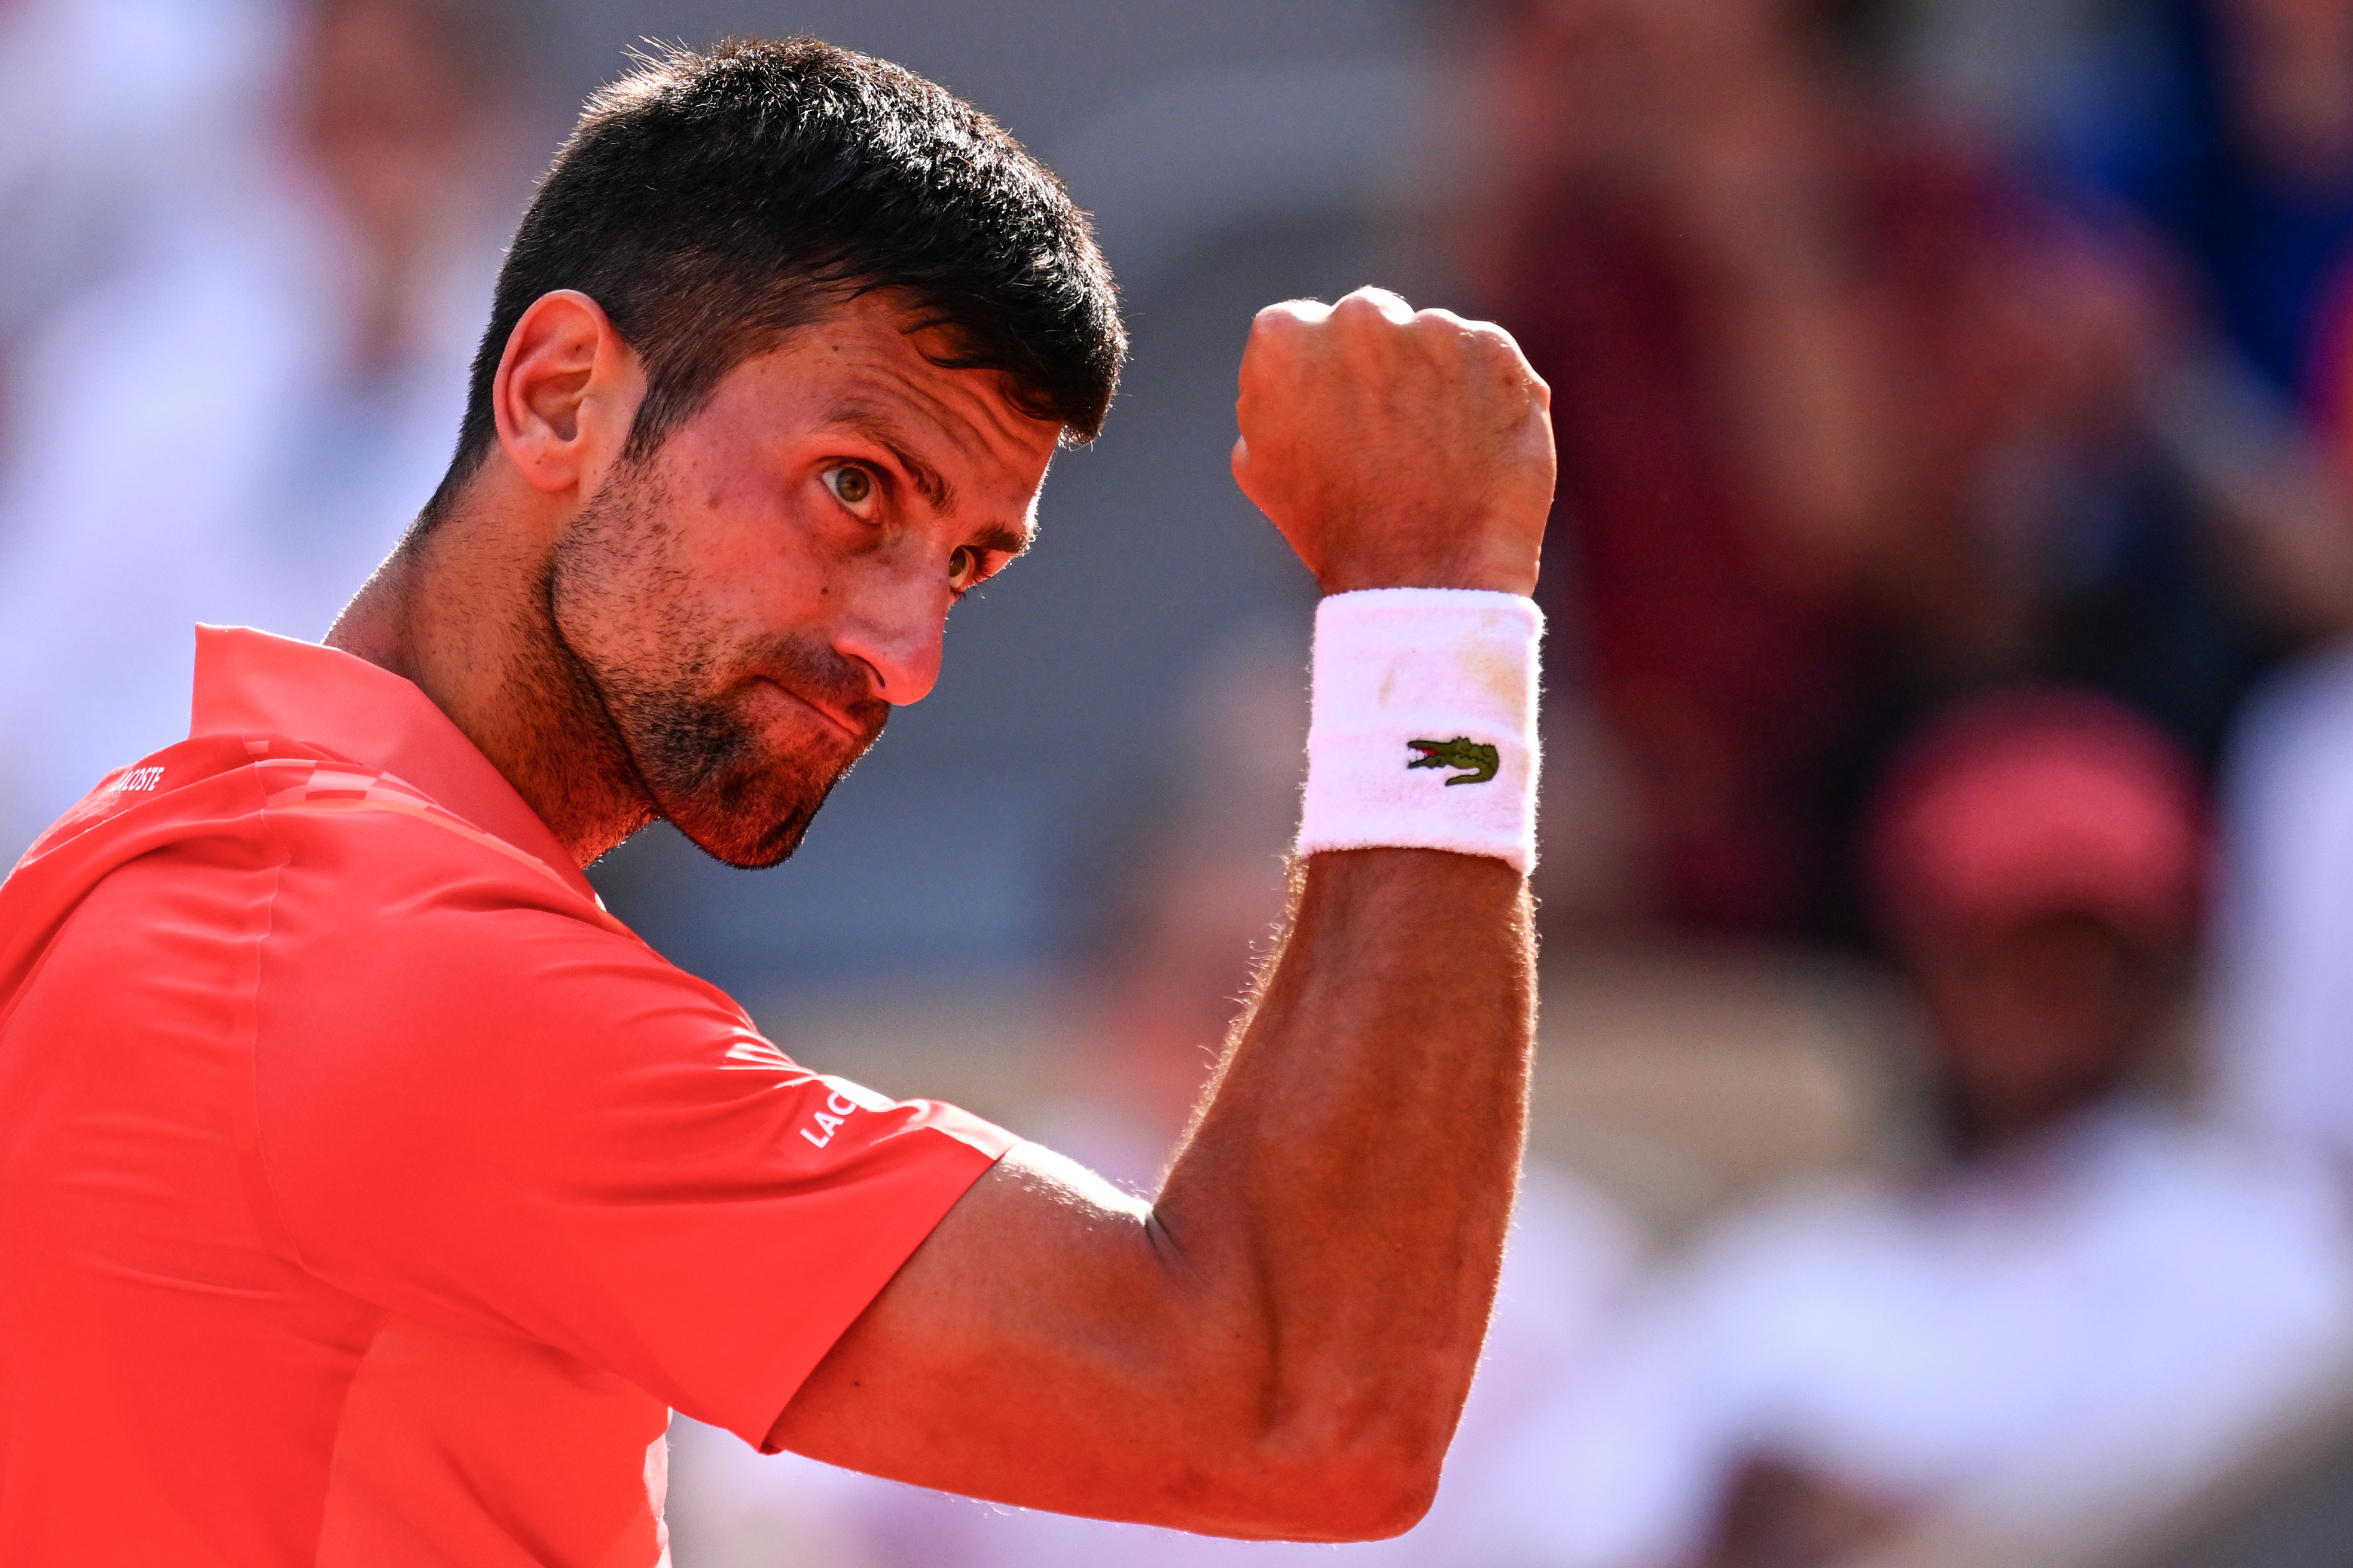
(111, 113)
(237, 425)
(2284, 1002)
(2225, 134)
(2245, 150)
(1198, 884)
(1811, 363)
(2094, 1303)
(2230, 132)
(1851, 423)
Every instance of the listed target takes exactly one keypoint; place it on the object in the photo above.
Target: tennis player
(370, 1195)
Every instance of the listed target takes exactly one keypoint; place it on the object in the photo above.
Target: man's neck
(464, 612)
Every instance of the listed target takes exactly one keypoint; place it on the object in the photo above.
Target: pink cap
(2034, 802)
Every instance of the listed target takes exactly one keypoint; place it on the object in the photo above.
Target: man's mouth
(850, 733)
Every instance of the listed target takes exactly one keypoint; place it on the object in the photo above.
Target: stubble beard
(662, 710)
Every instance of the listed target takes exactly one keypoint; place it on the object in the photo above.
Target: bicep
(1034, 1350)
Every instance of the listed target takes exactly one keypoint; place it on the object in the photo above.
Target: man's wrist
(1481, 577)
(1423, 733)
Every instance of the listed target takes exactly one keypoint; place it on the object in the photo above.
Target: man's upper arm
(1045, 1311)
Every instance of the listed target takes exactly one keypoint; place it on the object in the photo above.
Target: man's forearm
(1346, 1190)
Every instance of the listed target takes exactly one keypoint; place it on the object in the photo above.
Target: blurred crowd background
(1944, 1132)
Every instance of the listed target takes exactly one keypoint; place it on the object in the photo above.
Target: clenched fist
(1396, 449)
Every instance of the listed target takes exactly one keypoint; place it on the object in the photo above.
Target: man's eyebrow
(1007, 538)
(879, 429)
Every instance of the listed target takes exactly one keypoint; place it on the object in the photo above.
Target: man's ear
(566, 393)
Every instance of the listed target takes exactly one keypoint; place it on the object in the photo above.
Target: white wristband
(1423, 733)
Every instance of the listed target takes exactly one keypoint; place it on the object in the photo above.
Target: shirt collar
(253, 682)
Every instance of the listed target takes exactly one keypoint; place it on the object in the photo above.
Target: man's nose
(896, 628)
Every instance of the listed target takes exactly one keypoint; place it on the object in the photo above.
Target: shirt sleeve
(483, 1104)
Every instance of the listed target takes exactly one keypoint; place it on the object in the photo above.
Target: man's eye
(963, 567)
(853, 487)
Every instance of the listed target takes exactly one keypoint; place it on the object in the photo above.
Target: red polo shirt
(368, 1194)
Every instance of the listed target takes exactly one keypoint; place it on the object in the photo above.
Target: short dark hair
(711, 202)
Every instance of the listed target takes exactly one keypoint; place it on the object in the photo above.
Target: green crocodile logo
(1480, 759)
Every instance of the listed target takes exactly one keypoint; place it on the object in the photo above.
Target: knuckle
(1369, 303)
(1286, 314)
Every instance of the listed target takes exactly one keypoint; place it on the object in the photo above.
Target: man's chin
(749, 824)
(728, 844)
(742, 783)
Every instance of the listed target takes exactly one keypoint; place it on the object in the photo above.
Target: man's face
(751, 601)
(2038, 1020)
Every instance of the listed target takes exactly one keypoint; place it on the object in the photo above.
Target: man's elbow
(1376, 1506)
(1369, 1492)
